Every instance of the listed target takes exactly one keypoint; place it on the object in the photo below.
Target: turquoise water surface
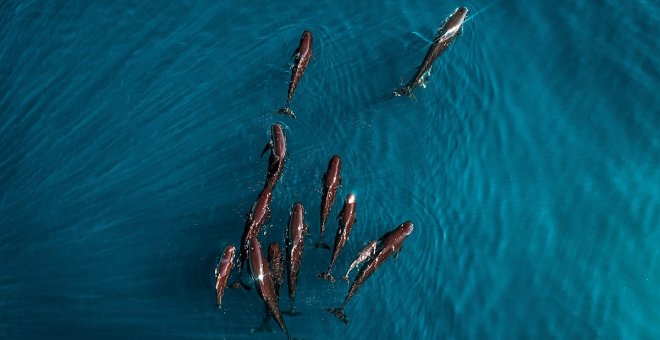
(130, 136)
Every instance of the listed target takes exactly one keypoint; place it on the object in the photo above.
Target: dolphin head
(279, 139)
(459, 15)
(275, 130)
(230, 250)
(335, 160)
(306, 41)
(452, 25)
(407, 227)
(298, 208)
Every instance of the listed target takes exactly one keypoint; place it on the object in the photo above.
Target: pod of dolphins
(268, 274)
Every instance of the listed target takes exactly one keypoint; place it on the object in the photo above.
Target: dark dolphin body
(222, 273)
(331, 182)
(362, 256)
(389, 243)
(276, 264)
(255, 219)
(301, 58)
(346, 220)
(449, 30)
(277, 146)
(263, 279)
(295, 244)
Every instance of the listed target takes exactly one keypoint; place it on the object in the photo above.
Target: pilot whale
(295, 244)
(389, 243)
(447, 33)
(254, 220)
(276, 159)
(276, 264)
(222, 273)
(301, 58)
(362, 256)
(346, 218)
(331, 183)
(264, 282)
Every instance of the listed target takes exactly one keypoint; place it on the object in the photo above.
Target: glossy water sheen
(129, 152)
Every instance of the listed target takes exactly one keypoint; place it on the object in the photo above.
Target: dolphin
(444, 37)
(255, 219)
(295, 244)
(222, 273)
(346, 220)
(331, 182)
(389, 243)
(362, 256)
(276, 264)
(277, 147)
(301, 58)
(263, 279)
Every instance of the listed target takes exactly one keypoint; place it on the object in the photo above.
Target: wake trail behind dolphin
(470, 17)
(422, 37)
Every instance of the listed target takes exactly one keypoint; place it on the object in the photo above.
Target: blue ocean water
(130, 136)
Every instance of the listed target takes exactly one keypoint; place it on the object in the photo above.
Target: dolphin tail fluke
(240, 284)
(339, 313)
(326, 276)
(345, 277)
(263, 328)
(321, 244)
(287, 112)
(291, 311)
(403, 91)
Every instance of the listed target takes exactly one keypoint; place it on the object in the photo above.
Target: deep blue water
(130, 136)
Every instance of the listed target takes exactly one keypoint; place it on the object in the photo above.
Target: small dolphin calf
(276, 264)
(389, 243)
(362, 256)
(222, 273)
(447, 32)
(331, 182)
(346, 220)
(301, 58)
